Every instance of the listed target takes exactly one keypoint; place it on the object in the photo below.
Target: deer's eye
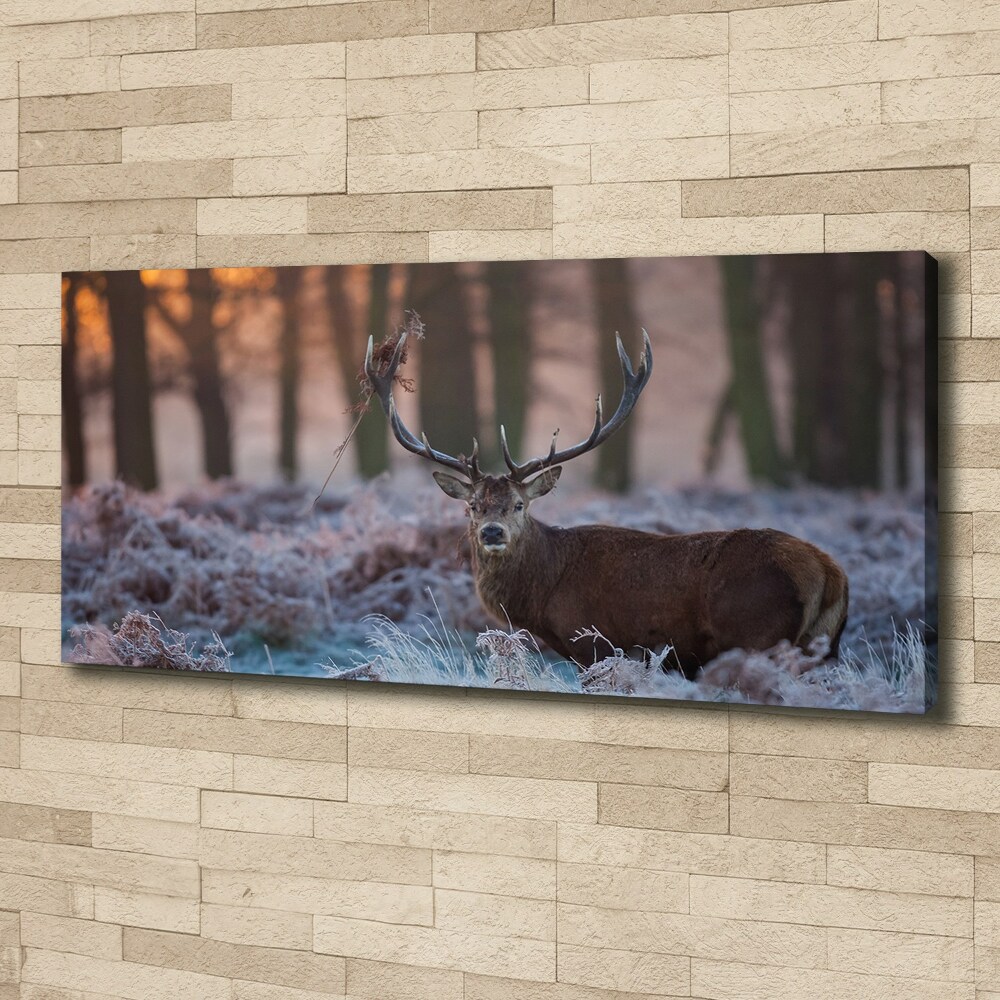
(519, 506)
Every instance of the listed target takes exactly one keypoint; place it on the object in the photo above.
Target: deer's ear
(543, 483)
(452, 486)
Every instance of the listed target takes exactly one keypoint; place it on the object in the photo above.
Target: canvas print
(706, 478)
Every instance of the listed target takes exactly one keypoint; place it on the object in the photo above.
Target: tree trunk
(447, 373)
(371, 441)
(72, 411)
(135, 455)
(615, 314)
(201, 339)
(510, 340)
(289, 280)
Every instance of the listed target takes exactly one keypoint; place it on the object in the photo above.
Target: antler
(381, 384)
(635, 382)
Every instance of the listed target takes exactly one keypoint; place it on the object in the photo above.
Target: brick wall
(191, 837)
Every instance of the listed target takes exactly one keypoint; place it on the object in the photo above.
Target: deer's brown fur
(700, 593)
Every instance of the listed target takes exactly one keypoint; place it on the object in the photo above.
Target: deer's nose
(491, 534)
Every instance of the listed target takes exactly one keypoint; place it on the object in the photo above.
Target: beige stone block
(42, 895)
(971, 403)
(258, 927)
(394, 904)
(969, 361)
(271, 175)
(475, 210)
(206, 179)
(486, 913)
(861, 825)
(114, 109)
(22, 541)
(32, 576)
(986, 575)
(43, 11)
(984, 228)
(819, 108)
(986, 316)
(413, 133)
(390, 981)
(532, 244)
(117, 760)
(659, 160)
(797, 778)
(40, 644)
(259, 737)
(605, 968)
(8, 433)
(202, 695)
(837, 22)
(988, 879)
(681, 934)
(278, 251)
(29, 291)
(899, 871)
(8, 187)
(710, 854)
(38, 362)
(10, 680)
(69, 934)
(44, 41)
(44, 824)
(142, 909)
(219, 216)
(89, 74)
(972, 488)
(43, 149)
(10, 714)
(523, 88)
(75, 863)
(864, 147)
(76, 791)
(126, 980)
(257, 813)
(10, 749)
(27, 256)
(300, 778)
(38, 396)
(601, 202)
(139, 252)
(664, 808)
(725, 979)
(26, 610)
(225, 140)
(402, 827)
(298, 25)
(899, 18)
(244, 990)
(917, 955)
(214, 65)
(8, 79)
(488, 15)
(549, 758)
(987, 620)
(531, 878)
(984, 182)
(986, 271)
(39, 432)
(417, 751)
(876, 192)
(956, 577)
(933, 100)
(98, 218)
(8, 135)
(659, 79)
(529, 798)
(933, 231)
(292, 99)
(307, 855)
(632, 122)
(29, 506)
(831, 906)
(469, 169)
(690, 237)
(142, 33)
(437, 948)
(623, 888)
(140, 835)
(417, 55)
(301, 970)
(987, 663)
(654, 37)
(978, 704)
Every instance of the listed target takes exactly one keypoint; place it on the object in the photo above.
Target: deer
(597, 590)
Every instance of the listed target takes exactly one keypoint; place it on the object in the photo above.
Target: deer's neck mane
(517, 583)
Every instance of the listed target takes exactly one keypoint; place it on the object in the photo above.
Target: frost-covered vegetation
(375, 584)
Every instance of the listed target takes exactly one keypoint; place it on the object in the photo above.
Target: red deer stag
(699, 593)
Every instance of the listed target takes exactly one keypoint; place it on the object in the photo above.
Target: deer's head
(498, 505)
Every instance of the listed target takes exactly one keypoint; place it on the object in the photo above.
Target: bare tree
(72, 411)
(289, 282)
